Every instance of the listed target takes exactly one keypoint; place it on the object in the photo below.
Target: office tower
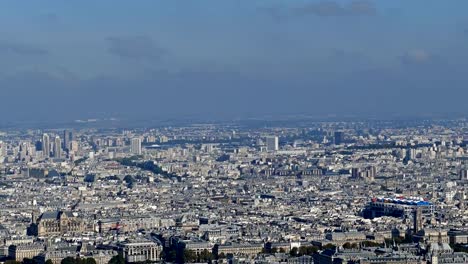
(58, 147)
(272, 143)
(38, 145)
(46, 145)
(135, 146)
(417, 220)
(3, 149)
(67, 139)
(74, 146)
(355, 173)
(463, 175)
(338, 138)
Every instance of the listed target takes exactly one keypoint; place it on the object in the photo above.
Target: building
(57, 147)
(140, 251)
(249, 250)
(56, 223)
(396, 207)
(458, 237)
(463, 175)
(20, 252)
(135, 147)
(272, 143)
(46, 145)
(417, 220)
(3, 149)
(56, 256)
(68, 137)
(368, 173)
(338, 137)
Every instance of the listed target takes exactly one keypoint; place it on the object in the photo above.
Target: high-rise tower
(135, 146)
(272, 143)
(46, 145)
(58, 147)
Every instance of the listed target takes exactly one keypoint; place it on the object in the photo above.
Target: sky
(79, 59)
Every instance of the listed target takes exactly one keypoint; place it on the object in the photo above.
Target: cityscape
(318, 192)
(234, 132)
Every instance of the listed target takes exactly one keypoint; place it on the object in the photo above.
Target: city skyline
(234, 132)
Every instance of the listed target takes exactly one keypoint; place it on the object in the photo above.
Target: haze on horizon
(66, 60)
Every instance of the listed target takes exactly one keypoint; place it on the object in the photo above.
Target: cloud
(134, 47)
(332, 8)
(418, 56)
(21, 48)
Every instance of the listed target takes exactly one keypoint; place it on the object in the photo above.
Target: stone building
(140, 250)
(56, 223)
(20, 252)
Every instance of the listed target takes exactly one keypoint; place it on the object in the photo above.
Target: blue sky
(232, 58)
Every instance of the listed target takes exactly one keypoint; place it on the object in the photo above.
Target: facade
(135, 147)
(46, 145)
(56, 223)
(58, 147)
(140, 251)
(272, 143)
(20, 252)
(56, 256)
(396, 207)
(249, 250)
(67, 139)
(338, 137)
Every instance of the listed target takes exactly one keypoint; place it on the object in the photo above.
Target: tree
(68, 260)
(12, 261)
(206, 256)
(128, 179)
(119, 259)
(274, 250)
(28, 261)
(348, 245)
(49, 261)
(328, 246)
(311, 250)
(294, 252)
(89, 261)
(189, 256)
(302, 250)
(222, 255)
(282, 250)
(370, 244)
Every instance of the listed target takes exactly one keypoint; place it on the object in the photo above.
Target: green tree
(294, 252)
(370, 244)
(12, 261)
(49, 261)
(189, 256)
(282, 250)
(311, 250)
(29, 261)
(348, 245)
(328, 246)
(303, 251)
(68, 260)
(119, 259)
(89, 261)
(222, 255)
(206, 256)
(274, 250)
